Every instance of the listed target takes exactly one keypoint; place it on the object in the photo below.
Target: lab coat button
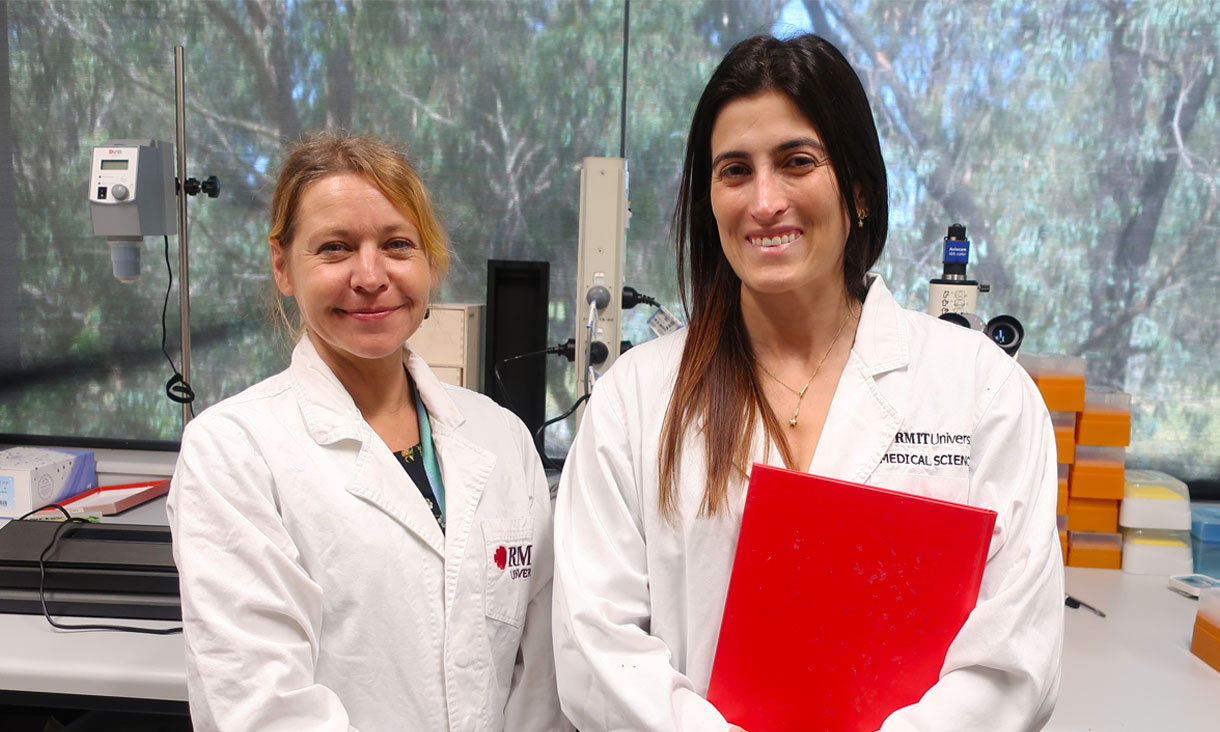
(462, 658)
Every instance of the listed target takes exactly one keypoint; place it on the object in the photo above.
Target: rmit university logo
(516, 559)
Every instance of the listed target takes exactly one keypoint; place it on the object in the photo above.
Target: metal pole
(184, 277)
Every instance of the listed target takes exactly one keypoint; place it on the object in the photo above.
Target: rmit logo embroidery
(517, 559)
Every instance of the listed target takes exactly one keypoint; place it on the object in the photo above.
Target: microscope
(954, 297)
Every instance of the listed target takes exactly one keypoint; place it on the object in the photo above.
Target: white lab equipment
(134, 193)
(450, 340)
(131, 196)
(954, 298)
(952, 292)
(599, 283)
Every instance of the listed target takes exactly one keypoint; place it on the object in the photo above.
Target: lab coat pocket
(508, 548)
(945, 488)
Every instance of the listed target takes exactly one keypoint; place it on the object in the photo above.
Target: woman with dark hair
(362, 547)
(794, 354)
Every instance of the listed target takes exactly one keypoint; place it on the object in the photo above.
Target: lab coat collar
(883, 342)
(330, 412)
(331, 415)
(864, 420)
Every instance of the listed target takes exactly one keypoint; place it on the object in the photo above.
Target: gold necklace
(800, 395)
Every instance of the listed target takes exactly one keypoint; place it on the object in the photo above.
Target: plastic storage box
(1154, 500)
(1154, 551)
(1097, 550)
(1205, 642)
(1105, 419)
(1059, 378)
(1205, 522)
(1098, 472)
(1065, 436)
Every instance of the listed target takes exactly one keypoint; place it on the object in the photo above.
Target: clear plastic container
(1092, 514)
(1060, 379)
(1062, 523)
(1205, 522)
(1105, 419)
(1205, 641)
(1154, 500)
(1155, 551)
(1209, 606)
(1206, 556)
(1098, 472)
(1062, 506)
(1097, 550)
(1065, 436)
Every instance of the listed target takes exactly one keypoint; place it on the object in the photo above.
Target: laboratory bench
(41, 666)
(1131, 670)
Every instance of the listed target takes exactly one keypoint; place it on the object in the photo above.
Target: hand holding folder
(843, 601)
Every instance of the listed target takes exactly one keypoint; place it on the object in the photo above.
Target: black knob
(211, 186)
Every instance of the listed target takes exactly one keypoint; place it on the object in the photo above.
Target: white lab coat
(318, 591)
(638, 601)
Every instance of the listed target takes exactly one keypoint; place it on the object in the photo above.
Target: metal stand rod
(184, 277)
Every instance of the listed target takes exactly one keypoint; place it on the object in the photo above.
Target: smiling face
(782, 222)
(357, 269)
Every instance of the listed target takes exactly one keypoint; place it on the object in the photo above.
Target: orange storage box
(1098, 472)
(1092, 514)
(1096, 550)
(1065, 436)
(1105, 419)
(1059, 378)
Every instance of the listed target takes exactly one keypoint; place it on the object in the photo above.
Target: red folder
(843, 601)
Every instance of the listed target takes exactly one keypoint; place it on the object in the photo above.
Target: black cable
(176, 388)
(42, 582)
(538, 433)
(633, 297)
(495, 369)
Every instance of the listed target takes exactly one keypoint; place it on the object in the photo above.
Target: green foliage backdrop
(1079, 141)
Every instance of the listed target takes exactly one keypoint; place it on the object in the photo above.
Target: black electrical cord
(538, 433)
(42, 583)
(508, 402)
(633, 297)
(176, 388)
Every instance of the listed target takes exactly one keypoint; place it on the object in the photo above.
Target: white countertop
(1133, 669)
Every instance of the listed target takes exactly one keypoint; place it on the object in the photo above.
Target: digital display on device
(114, 165)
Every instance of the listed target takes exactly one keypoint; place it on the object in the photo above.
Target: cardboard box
(32, 477)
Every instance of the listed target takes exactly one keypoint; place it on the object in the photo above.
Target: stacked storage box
(1205, 531)
(1155, 522)
(1205, 641)
(1092, 430)
(1103, 431)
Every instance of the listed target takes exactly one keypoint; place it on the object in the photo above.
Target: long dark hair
(716, 385)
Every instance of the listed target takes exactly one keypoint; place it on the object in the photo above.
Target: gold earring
(860, 220)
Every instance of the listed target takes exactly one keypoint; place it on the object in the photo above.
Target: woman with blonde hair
(360, 546)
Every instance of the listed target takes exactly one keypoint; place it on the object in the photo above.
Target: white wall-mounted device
(131, 196)
(599, 279)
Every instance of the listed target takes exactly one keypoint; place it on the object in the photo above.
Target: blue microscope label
(957, 251)
(8, 492)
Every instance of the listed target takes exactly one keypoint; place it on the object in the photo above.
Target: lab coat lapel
(862, 420)
(465, 467)
(331, 417)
